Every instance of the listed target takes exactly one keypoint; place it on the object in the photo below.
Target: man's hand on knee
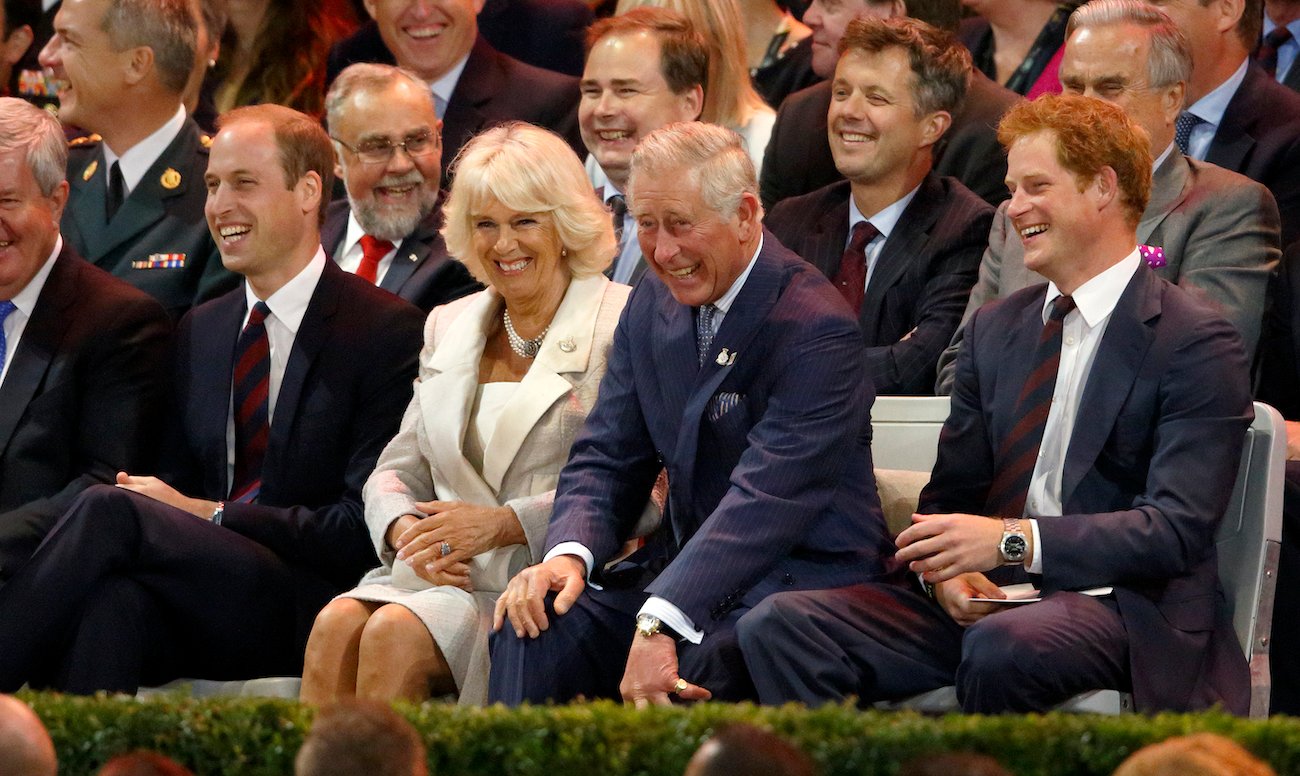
(955, 597)
(651, 674)
(524, 599)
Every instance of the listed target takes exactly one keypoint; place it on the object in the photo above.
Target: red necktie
(372, 250)
(1273, 41)
(851, 279)
(1018, 453)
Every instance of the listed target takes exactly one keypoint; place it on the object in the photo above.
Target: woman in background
(1019, 43)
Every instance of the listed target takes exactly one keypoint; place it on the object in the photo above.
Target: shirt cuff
(579, 550)
(672, 617)
(1035, 564)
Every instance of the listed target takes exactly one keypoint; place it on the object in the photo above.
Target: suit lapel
(311, 337)
(478, 82)
(1169, 187)
(447, 397)
(39, 344)
(830, 234)
(1122, 349)
(335, 228)
(213, 370)
(146, 205)
(546, 382)
(905, 242)
(1231, 143)
(413, 251)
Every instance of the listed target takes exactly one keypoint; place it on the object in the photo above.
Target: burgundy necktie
(252, 409)
(1268, 49)
(851, 279)
(372, 251)
(1018, 453)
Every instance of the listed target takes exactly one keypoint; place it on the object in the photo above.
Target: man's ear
(934, 126)
(14, 46)
(749, 213)
(1105, 188)
(140, 62)
(309, 191)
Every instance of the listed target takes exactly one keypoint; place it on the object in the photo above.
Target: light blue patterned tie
(704, 331)
(6, 307)
(1183, 129)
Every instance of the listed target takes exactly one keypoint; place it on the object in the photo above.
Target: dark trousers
(584, 652)
(1284, 654)
(887, 642)
(127, 591)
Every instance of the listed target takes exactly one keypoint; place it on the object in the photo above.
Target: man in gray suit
(645, 69)
(1206, 228)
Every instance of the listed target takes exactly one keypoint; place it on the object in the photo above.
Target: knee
(341, 620)
(391, 631)
(993, 648)
(776, 614)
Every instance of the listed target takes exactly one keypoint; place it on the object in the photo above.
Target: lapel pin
(411, 257)
(568, 345)
(90, 170)
(170, 179)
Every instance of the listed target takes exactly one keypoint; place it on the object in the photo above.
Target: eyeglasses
(379, 151)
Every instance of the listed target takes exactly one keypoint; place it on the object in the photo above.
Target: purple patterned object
(1153, 255)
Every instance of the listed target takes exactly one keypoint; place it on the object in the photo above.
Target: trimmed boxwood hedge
(256, 736)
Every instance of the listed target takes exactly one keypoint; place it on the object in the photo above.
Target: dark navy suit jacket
(345, 386)
(1259, 137)
(81, 400)
(422, 273)
(768, 454)
(1149, 470)
(921, 281)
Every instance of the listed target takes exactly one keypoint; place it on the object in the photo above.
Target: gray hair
(169, 27)
(367, 77)
(25, 127)
(531, 170)
(714, 156)
(1169, 60)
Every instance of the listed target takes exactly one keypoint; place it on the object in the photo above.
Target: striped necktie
(6, 309)
(1018, 453)
(252, 385)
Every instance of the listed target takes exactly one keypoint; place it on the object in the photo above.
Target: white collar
(725, 301)
(25, 300)
(1161, 159)
(886, 219)
(137, 159)
(289, 303)
(1097, 298)
(444, 86)
(1212, 106)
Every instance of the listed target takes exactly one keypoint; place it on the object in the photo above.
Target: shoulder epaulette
(82, 140)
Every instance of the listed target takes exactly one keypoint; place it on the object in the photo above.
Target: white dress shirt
(24, 304)
(665, 610)
(350, 252)
(884, 221)
(1210, 110)
(1081, 333)
(288, 305)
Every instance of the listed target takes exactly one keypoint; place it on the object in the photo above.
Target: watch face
(1013, 547)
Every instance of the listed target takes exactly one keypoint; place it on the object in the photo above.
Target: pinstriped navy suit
(921, 281)
(769, 472)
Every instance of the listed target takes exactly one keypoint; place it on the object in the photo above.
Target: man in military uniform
(136, 204)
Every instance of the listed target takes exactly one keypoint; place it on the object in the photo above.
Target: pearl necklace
(524, 348)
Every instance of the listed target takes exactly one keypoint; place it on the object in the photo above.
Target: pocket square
(723, 403)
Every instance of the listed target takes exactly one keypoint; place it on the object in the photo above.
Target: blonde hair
(531, 170)
(729, 96)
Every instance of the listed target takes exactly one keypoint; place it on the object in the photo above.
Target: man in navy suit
(737, 369)
(287, 389)
(388, 141)
(82, 354)
(901, 243)
(474, 85)
(1237, 116)
(1095, 433)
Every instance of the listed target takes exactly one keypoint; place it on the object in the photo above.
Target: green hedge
(253, 736)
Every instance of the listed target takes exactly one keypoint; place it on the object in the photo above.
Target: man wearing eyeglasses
(386, 136)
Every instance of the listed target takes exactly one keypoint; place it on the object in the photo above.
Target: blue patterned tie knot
(1183, 129)
(704, 331)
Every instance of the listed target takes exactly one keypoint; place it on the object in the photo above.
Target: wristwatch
(1013, 546)
(648, 625)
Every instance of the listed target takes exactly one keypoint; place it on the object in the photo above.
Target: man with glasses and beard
(386, 135)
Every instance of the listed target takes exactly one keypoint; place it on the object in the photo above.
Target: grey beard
(390, 223)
